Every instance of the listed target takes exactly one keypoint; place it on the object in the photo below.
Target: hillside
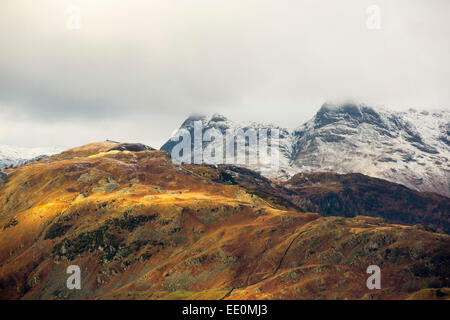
(142, 228)
(347, 195)
(352, 194)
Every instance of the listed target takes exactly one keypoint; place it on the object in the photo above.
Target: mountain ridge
(17, 156)
(142, 227)
(408, 147)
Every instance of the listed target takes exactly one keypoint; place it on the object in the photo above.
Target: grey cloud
(250, 60)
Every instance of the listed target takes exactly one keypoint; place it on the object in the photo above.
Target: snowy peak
(17, 156)
(217, 121)
(350, 117)
(350, 114)
(354, 113)
(189, 122)
(217, 118)
(409, 147)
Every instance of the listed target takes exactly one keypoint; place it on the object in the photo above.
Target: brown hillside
(353, 194)
(142, 228)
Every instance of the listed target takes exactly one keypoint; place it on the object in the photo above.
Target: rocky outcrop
(3, 177)
(134, 147)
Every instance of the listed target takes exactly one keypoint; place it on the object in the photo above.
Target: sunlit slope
(141, 227)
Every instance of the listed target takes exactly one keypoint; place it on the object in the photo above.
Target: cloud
(250, 60)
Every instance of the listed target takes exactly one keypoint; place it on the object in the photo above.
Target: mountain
(410, 147)
(222, 124)
(17, 156)
(141, 227)
(347, 195)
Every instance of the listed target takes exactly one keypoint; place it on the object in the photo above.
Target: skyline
(177, 126)
(135, 72)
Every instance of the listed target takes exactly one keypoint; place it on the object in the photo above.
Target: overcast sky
(136, 69)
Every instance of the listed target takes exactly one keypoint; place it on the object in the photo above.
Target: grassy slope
(142, 228)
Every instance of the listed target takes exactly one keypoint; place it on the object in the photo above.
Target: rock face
(411, 148)
(132, 147)
(3, 177)
(168, 231)
(222, 124)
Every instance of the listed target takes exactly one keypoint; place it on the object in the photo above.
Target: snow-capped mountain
(410, 147)
(222, 124)
(16, 156)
